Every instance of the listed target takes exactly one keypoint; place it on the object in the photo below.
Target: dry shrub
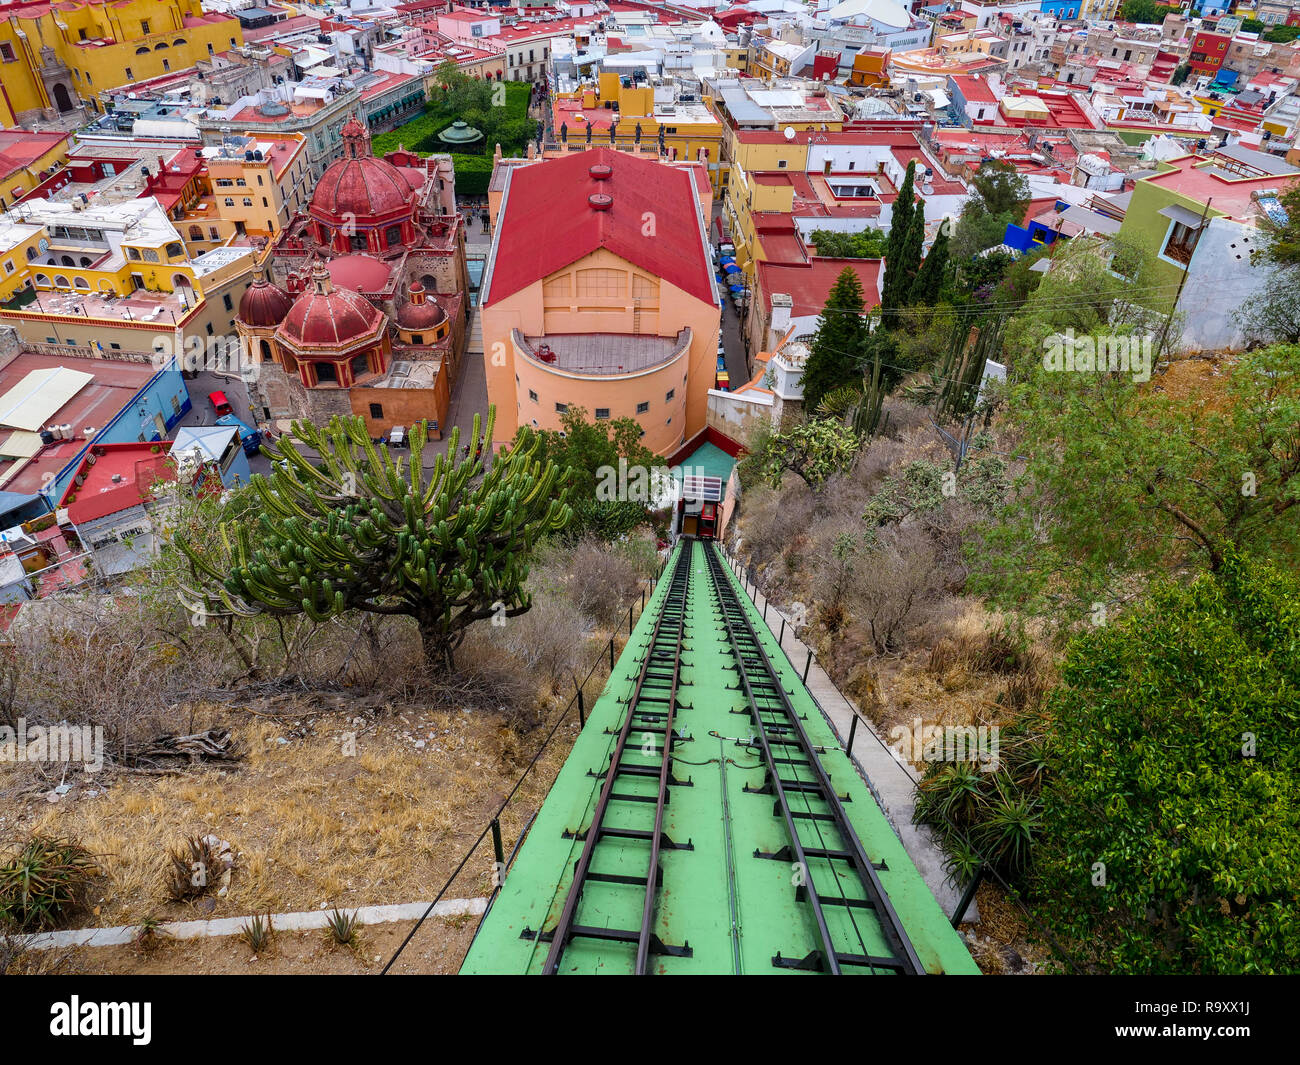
(894, 589)
(549, 641)
(774, 521)
(598, 580)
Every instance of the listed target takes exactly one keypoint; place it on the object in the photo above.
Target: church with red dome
(360, 306)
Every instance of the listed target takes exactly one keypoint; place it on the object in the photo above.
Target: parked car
(220, 404)
(723, 383)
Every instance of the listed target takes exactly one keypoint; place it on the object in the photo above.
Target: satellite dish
(789, 133)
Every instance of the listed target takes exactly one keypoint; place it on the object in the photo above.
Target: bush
(43, 882)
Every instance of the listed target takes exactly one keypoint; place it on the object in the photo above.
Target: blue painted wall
(164, 393)
(1062, 8)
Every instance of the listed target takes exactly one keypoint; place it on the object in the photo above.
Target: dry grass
(309, 824)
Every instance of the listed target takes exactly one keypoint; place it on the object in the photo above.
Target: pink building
(599, 293)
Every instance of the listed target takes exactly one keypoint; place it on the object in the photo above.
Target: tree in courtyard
(358, 529)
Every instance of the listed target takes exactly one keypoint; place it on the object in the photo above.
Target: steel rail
(904, 954)
(565, 929)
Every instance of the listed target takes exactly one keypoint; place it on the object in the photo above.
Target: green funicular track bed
(708, 820)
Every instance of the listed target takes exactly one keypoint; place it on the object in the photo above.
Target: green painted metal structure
(724, 893)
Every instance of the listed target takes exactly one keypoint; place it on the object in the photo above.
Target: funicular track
(857, 926)
(629, 813)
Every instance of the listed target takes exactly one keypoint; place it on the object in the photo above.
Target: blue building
(1062, 9)
(152, 412)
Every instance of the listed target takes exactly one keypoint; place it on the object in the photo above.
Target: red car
(220, 403)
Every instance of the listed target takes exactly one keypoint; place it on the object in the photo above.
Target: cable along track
(857, 926)
(630, 808)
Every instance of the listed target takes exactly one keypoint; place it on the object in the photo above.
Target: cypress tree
(901, 217)
(832, 355)
(901, 274)
(929, 279)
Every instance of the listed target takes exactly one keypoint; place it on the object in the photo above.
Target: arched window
(85, 260)
(80, 282)
(31, 254)
(41, 279)
(160, 46)
(174, 249)
(230, 202)
(142, 51)
(180, 42)
(67, 260)
(61, 282)
(105, 285)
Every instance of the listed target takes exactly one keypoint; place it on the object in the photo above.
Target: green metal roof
(707, 460)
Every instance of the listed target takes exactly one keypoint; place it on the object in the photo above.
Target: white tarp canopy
(34, 400)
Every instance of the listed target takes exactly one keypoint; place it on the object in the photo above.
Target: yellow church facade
(54, 56)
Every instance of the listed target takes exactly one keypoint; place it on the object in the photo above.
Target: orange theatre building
(598, 293)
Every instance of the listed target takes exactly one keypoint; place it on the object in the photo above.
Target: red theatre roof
(652, 221)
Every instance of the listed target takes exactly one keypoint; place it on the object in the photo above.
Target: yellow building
(598, 294)
(26, 159)
(691, 131)
(52, 59)
(112, 277)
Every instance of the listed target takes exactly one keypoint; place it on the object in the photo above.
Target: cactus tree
(359, 529)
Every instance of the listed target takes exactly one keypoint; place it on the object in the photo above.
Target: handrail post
(582, 712)
(807, 665)
(853, 731)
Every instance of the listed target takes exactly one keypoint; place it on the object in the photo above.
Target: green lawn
(507, 125)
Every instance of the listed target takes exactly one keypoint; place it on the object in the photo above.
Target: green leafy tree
(813, 451)
(833, 353)
(1171, 781)
(930, 278)
(1122, 481)
(868, 244)
(901, 271)
(999, 196)
(357, 529)
(901, 215)
(585, 450)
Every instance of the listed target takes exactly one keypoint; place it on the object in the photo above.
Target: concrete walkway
(891, 780)
(232, 926)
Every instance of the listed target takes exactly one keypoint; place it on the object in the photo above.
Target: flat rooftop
(603, 354)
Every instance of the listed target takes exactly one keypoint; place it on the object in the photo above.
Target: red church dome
(328, 317)
(360, 185)
(264, 304)
(420, 312)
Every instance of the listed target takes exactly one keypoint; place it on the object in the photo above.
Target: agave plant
(44, 880)
(195, 868)
(257, 932)
(149, 934)
(343, 927)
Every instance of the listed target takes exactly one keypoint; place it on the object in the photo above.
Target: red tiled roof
(549, 223)
(975, 90)
(20, 148)
(809, 284)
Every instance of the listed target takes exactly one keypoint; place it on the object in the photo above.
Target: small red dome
(264, 304)
(359, 273)
(329, 317)
(420, 312)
